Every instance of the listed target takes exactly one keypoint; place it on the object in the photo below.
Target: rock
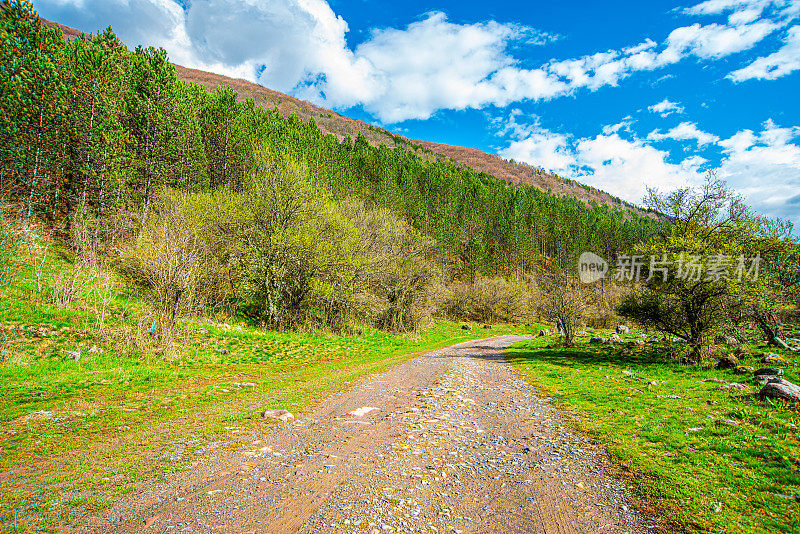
(281, 415)
(223, 351)
(772, 371)
(622, 329)
(641, 336)
(726, 340)
(95, 350)
(781, 343)
(771, 357)
(150, 520)
(744, 370)
(725, 422)
(763, 380)
(361, 412)
(596, 340)
(615, 338)
(627, 373)
(74, 355)
(714, 380)
(639, 342)
(728, 362)
(487, 327)
(201, 330)
(780, 389)
(466, 327)
(716, 507)
(544, 332)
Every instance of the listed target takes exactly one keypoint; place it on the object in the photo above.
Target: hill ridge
(330, 121)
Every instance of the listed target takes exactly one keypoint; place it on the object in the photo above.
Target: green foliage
(91, 131)
(708, 249)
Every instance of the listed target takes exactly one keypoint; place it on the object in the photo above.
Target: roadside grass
(672, 451)
(77, 435)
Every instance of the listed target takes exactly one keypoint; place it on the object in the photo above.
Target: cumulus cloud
(685, 131)
(666, 107)
(763, 166)
(785, 61)
(300, 46)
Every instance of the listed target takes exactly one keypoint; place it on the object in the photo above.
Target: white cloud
(762, 166)
(685, 131)
(299, 46)
(666, 107)
(777, 64)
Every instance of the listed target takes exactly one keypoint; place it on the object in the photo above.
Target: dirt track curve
(459, 443)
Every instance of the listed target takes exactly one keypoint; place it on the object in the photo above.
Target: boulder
(728, 362)
(780, 389)
(771, 357)
(544, 332)
(281, 415)
(733, 386)
(223, 351)
(744, 370)
(615, 338)
(769, 371)
(622, 329)
(466, 327)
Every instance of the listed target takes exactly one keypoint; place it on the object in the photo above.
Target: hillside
(340, 125)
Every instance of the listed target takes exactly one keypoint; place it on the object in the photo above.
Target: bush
(486, 300)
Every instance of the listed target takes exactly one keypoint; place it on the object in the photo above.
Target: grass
(77, 435)
(678, 459)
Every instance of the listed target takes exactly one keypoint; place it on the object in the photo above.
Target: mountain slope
(340, 125)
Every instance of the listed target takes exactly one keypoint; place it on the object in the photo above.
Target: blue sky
(617, 94)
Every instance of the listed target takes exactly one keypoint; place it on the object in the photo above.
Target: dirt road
(458, 443)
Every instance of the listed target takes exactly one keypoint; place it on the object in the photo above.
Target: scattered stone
(639, 343)
(36, 416)
(282, 415)
(615, 338)
(223, 351)
(725, 422)
(622, 329)
(74, 355)
(728, 362)
(744, 370)
(733, 386)
(780, 389)
(361, 412)
(466, 327)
